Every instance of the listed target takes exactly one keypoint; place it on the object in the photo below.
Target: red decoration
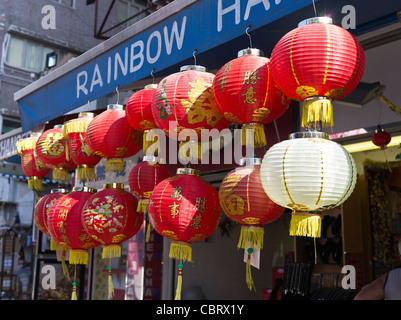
(245, 93)
(110, 136)
(66, 224)
(243, 199)
(42, 209)
(381, 138)
(184, 100)
(79, 151)
(316, 63)
(110, 217)
(139, 113)
(31, 164)
(51, 149)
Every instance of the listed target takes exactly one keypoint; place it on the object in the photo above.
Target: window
(127, 9)
(30, 55)
(9, 125)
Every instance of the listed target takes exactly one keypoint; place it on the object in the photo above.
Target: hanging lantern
(381, 138)
(245, 93)
(30, 163)
(42, 209)
(51, 149)
(185, 99)
(243, 200)
(184, 208)
(316, 63)
(66, 224)
(139, 113)
(110, 136)
(308, 173)
(79, 151)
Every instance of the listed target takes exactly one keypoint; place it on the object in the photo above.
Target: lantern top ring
(86, 114)
(84, 189)
(250, 161)
(192, 67)
(150, 86)
(60, 190)
(325, 20)
(309, 134)
(35, 134)
(250, 51)
(190, 171)
(113, 185)
(58, 126)
(115, 107)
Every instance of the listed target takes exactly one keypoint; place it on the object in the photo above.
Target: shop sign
(8, 142)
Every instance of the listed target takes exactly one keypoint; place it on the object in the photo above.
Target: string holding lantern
(139, 113)
(184, 208)
(245, 93)
(184, 100)
(110, 217)
(308, 174)
(31, 165)
(51, 149)
(316, 63)
(110, 136)
(78, 150)
(242, 199)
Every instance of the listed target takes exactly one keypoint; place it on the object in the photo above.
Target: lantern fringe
(111, 251)
(86, 173)
(25, 144)
(251, 235)
(78, 256)
(249, 280)
(148, 141)
(315, 110)
(191, 150)
(179, 283)
(142, 205)
(259, 137)
(305, 224)
(35, 183)
(181, 251)
(115, 165)
(75, 126)
(61, 174)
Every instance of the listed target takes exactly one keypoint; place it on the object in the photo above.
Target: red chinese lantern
(51, 149)
(184, 100)
(110, 136)
(381, 138)
(184, 208)
(316, 63)
(79, 151)
(243, 199)
(245, 93)
(139, 113)
(30, 163)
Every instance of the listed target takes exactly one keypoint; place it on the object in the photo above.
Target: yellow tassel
(86, 173)
(191, 150)
(111, 287)
(75, 126)
(259, 137)
(142, 205)
(35, 183)
(111, 251)
(25, 144)
(305, 224)
(181, 251)
(52, 244)
(179, 283)
(148, 232)
(315, 110)
(64, 266)
(78, 256)
(115, 165)
(61, 174)
(251, 235)
(74, 291)
(249, 280)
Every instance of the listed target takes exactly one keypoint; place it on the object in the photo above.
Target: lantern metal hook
(193, 54)
(118, 94)
(153, 77)
(250, 38)
(314, 7)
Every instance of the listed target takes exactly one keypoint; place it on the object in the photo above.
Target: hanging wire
(314, 7)
(193, 54)
(250, 38)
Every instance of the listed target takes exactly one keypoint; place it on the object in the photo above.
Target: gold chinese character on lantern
(249, 96)
(196, 221)
(174, 211)
(176, 193)
(251, 77)
(260, 114)
(200, 204)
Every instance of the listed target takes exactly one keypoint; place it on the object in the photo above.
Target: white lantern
(308, 173)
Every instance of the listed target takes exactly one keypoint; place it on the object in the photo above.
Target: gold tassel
(148, 232)
(74, 291)
(35, 183)
(251, 235)
(111, 251)
(179, 283)
(142, 205)
(259, 138)
(249, 280)
(86, 173)
(181, 251)
(191, 150)
(61, 174)
(111, 287)
(78, 256)
(52, 244)
(115, 164)
(64, 266)
(305, 224)
(315, 110)
(75, 126)
(25, 144)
